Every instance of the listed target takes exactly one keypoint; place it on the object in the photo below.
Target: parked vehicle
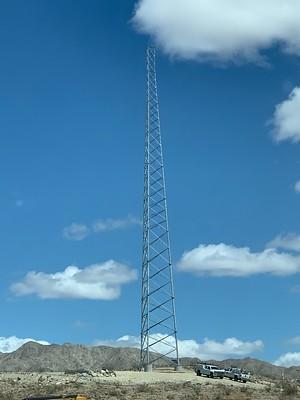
(237, 374)
(212, 371)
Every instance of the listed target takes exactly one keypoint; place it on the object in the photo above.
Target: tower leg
(148, 368)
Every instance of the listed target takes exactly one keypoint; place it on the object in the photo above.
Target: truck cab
(211, 371)
(237, 374)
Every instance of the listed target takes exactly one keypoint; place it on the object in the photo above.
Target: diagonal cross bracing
(158, 319)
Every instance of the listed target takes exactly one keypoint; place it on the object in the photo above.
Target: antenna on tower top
(158, 317)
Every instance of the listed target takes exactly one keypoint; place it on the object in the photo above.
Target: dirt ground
(161, 385)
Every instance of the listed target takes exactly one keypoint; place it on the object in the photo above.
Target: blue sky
(72, 107)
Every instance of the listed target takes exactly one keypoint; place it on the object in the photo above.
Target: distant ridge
(35, 357)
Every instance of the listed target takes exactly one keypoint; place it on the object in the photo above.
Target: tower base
(179, 368)
(148, 368)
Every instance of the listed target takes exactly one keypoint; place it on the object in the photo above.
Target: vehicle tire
(236, 378)
(231, 378)
(244, 381)
(198, 373)
(221, 377)
(211, 375)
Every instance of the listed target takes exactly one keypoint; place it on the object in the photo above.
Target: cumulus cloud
(12, 343)
(225, 260)
(208, 349)
(288, 360)
(220, 30)
(286, 119)
(289, 241)
(76, 232)
(80, 231)
(95, 282)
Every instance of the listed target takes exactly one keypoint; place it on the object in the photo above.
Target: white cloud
(12, 343)
(95, 282)
(110, 224)
(81, 231)
(297, 187)
(76, 232)
(218, 29)
(288, 360)
(224, 260)
(208, 349)
(289, 241)
(286, 119)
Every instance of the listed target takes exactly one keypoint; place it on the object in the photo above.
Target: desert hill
(34, 357)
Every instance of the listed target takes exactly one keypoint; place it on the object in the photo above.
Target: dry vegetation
(124, 387)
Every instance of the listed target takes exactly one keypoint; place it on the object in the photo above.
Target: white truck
(237, 374)
(212, 371)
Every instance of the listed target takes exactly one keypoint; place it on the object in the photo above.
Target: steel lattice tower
(158, 319)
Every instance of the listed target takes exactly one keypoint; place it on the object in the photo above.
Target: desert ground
(162, 385)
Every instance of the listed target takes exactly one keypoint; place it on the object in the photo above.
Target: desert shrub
(245, 389)
(223, 391)
(268, 388)
(289, 388)
(197, 390)
(6, 396)
(144, 388)
(187, 396)
(124, 391)
(171, 396)
(115, 392)
(218, 396)
(227, 390)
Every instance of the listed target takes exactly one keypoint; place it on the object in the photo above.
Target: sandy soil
(169, 376)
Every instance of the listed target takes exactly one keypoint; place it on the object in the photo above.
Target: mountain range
(34, 357)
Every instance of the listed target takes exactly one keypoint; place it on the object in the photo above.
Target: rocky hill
(34, 357)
